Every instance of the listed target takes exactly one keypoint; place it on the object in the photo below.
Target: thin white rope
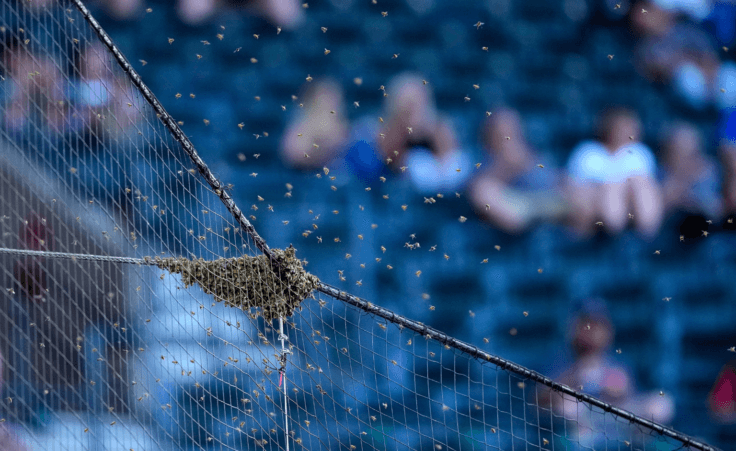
(282, 375)
(104, 258)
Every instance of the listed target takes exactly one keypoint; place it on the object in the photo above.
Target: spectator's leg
(613, 207)
(582, 198)
(646, 201)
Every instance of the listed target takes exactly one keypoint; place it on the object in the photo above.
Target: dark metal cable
(329, 290)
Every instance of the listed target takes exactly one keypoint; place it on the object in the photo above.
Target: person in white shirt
(613, 179)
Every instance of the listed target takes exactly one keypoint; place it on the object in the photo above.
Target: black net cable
(402, 322)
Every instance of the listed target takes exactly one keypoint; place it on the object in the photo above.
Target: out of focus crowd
(587, 147)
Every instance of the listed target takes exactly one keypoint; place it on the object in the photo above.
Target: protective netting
(106, 355)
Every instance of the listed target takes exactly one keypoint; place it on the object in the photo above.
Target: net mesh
(107, 355)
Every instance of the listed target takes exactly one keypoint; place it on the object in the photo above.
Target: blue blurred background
(511, 282)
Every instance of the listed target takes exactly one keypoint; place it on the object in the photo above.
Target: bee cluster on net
(249, 282)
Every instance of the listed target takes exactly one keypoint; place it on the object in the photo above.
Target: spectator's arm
(496, 204)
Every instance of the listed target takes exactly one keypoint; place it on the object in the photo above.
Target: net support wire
(282, 377)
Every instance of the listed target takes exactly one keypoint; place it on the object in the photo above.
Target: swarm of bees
(247, 282)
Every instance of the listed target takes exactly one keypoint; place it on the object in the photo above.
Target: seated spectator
(612, 179)
(722, 397)
(690, 180)
(727, 157)
(318, 133)
(102, 96)
(37, 83)
(683, 55)
(595, 372)
(514, 192)
(419, 140)
(286, 14)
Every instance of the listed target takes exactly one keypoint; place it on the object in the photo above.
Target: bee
(384, 13)
(525, 313)
(485, 340)
(485, 260)
(327, 51)
(382, 326)
(497, 247)
(171, 41)
(433, 248)
(432, 307)
(143, 62)
(309, 78)
(447, 257)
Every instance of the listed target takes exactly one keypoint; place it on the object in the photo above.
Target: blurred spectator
(727, 154)
(696, 10)
(36, 83)
(105, 102)
(690, 181)
(419, 140)
(612, 179)
(595, 372)
(683, 55)
(286, 14)
(9, 440)
(514, 192)
(30, 272)
(722, 397)
(318, 133)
